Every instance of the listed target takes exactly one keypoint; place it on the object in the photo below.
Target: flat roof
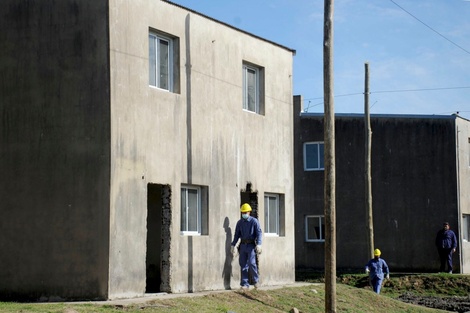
(361, 115)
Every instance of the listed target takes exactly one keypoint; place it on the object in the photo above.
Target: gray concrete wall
(463, 175)
(54, 155)
(198, 135)
(414, 189)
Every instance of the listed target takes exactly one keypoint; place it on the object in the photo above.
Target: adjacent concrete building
(131, 132)
(420, 178)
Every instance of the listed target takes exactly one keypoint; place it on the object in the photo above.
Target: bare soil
(438, 291)
(452, 304)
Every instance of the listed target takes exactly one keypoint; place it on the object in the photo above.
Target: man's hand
(367, 270)
(232, 250)
(258, 249)
(388, 276)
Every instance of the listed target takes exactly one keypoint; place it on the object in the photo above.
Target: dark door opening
(154, 238)
(251, 197)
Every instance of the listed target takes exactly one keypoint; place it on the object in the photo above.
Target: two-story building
(420, 168)
(131, 133)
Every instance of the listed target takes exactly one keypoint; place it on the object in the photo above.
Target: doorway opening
(158, 238)
(251, 197)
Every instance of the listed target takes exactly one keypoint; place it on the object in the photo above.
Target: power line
(452, 42)
(422, 89)
(392, 91)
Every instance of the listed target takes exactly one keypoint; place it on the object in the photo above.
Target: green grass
(309, 298)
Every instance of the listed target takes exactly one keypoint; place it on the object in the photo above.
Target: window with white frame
(466, 227)
(313, 156)
(194, 210)
(163, 61)
(271, 214)
(253, 88)
(314, 228)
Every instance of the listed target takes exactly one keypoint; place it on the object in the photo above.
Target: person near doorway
(248, 231)
(377, 268)
(446, 243)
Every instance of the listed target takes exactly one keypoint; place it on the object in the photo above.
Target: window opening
(160, 61)
(314, 228)
(314, 156)
(271, 214)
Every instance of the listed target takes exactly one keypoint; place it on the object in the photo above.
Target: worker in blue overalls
(248, 230)
(377, 269)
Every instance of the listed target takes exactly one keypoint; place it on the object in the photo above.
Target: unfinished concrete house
(130, 134)
(420, 170)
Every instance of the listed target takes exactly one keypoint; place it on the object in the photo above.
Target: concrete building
(131, 133)
(420, 178)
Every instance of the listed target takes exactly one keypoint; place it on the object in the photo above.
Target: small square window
(314, 228)
(468, 154)
(194, 210)
(274, 215)
(253, 88)
(271, 214)
(314, 156)
(163, 61)
(466, 227)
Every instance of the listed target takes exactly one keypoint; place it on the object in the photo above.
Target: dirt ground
(452, 304)
(439, 291)
(445, 292)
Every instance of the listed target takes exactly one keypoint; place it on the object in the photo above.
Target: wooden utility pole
(329, 158)
(368, 176)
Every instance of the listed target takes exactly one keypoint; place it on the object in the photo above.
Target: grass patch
(306, 299)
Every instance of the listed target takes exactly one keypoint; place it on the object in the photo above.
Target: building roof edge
(357, 115)
(231, 26)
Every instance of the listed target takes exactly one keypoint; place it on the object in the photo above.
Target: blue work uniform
(377, 269)
(446, 242)
(249, 231)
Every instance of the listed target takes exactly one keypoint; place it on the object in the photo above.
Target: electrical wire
(452, 42)
(392, 91)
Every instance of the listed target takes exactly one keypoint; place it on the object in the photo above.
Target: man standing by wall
(446, 243)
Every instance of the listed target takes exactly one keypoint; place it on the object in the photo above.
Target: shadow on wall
(227, 271)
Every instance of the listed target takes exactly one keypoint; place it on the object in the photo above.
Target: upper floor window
(194, 210)
(314, 228)
(313, 156)
(253, 88)
(163, 61)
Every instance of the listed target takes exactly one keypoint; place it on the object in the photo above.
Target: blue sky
(418, 50)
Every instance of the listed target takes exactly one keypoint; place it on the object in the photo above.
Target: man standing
(446, 243)
(377, 268)
(249, 232)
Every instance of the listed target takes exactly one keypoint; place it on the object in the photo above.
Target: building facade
(420, 170)
(131, 133)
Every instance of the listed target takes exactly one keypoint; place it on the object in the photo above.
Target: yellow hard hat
(377, 252)
(245, 208)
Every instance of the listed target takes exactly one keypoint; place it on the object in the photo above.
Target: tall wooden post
(329, 158)
(368, 176)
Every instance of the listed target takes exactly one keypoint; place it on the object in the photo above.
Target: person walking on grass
(249, 232)
(377, 268)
